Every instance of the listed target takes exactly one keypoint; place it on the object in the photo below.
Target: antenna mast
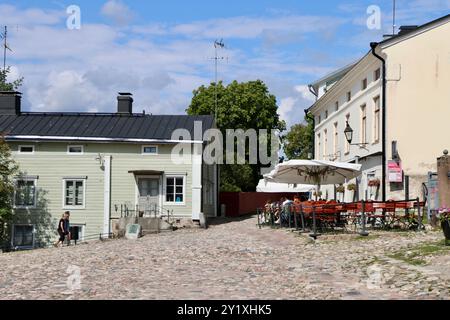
(4, 36)
(394, 17)
(217, 45)
(5, 46)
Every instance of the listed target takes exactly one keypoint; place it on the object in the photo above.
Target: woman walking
(63, 229)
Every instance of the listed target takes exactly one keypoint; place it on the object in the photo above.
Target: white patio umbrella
(273, 187)
(316, 172)
(313, 172)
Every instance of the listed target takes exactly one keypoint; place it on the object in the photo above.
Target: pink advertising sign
(395, 172)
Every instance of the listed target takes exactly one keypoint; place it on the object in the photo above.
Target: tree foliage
(9, 86)
(8, 168)
(299, 141)
(246, 105)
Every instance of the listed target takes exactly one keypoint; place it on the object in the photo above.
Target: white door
(149, 194)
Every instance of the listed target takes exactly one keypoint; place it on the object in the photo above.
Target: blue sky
(161, 50)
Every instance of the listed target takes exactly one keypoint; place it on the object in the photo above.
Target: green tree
(246, 105)
(8, 168)
(9, 86)
(298, 142)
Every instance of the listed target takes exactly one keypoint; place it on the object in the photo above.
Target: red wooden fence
(243, 203)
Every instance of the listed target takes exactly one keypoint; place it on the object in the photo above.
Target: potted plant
(340, 193)
(317, 194)
(351, 188)
(444, 214)
(374, 185)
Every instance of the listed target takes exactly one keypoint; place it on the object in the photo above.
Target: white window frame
(26, 146)
(319, 145)
(149, 154)
(363, 124)
(376, 120)
(35, 193)
(167, 203)
(23, 225)
(75, 153)
(336, 139)
(375, 74)
(364, 84)
(73, 207)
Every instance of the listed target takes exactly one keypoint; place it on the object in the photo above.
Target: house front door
(149, 194)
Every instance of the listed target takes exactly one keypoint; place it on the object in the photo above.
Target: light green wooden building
(101, 167)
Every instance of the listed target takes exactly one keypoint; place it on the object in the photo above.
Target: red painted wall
(243, 203)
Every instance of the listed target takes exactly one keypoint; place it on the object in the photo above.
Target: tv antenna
(394, 9)
(4, 37)
(217, 45)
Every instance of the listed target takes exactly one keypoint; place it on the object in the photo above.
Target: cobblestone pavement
(232, 260)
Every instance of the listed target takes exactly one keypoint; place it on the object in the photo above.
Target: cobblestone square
(232, 260)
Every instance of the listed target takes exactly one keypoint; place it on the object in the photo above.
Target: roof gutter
(309, 116)
(98, 140)
(373, 46)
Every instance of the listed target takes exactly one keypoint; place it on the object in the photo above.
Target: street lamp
(349, 136)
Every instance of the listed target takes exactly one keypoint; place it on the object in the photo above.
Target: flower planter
(445, 224)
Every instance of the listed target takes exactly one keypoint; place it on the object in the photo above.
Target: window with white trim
(364, 84)
(74, 193)
(376, 122)
(25, 193)
(319, 144)
(175, 189)
(377, 74)
(149, 150)
(72, 149)
(363, 123)
(336, 139)
(26, 149)
(23, 236)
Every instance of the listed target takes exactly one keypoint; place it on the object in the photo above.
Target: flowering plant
(374, 183)
(444, 214)
(351, 187)
(340, 189)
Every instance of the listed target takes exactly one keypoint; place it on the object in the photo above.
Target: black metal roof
(105, 126)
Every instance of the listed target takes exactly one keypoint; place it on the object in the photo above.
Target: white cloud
(12, 16)
(118, 12)
(286, 107)
(252, 27)
(161, 64)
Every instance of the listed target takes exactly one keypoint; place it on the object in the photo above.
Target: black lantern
(348, 133)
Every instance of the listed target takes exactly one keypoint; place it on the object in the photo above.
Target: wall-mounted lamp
(349, 136)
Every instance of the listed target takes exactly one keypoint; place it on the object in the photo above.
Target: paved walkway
(233, 260)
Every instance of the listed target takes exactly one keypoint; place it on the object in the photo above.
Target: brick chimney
(125, 103)
(10, 103)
